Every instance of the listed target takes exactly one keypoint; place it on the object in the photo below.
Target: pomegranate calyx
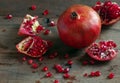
(74, 15)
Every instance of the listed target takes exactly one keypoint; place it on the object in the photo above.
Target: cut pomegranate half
(33, 46)
(103, 50)
(30, 26)
(109, 11)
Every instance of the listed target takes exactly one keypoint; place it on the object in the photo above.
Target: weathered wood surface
(13, 71)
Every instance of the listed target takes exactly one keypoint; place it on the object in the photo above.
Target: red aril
(79, 26)
(30, 26)
(103, 50)
(109, 11)
(33, 46)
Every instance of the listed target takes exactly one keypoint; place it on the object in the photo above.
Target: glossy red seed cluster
(92, 74)
(108, 10)
(103, 50)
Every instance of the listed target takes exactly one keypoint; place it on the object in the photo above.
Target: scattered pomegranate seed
(33, 7)
(97, 73)
(85, 63)
(59, 68)
(55, 54)
(34, 65)
(48, 74)
(41, 59)
(52, 23)
(30, 61)
(70, 62)
(66, 56)
(23, 58)
(9, 16)
(92, 74)
(66, 70)
(66, 75)
(56, 81)
(85, 75)
(111, 75)
(45, 68)
(45, 12)
(47, 31)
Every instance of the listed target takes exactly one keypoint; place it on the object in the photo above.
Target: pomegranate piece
(33, 46)
(30, 26)
(103, 50)
(109, 11)
(111, 76)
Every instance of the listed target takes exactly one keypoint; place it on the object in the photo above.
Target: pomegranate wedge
(109, 11)
(103, 50)
(33, 46)
(30, 26)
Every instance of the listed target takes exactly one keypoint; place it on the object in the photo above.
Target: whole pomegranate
(79, 26)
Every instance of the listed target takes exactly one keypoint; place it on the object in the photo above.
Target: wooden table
(13, 71)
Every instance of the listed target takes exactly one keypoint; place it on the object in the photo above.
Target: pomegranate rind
(21, 47)
(98, 58)
(33, 27)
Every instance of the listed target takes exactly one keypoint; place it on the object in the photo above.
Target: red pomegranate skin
(81, 31)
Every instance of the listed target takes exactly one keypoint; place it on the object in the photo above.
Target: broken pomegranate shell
(30, 26)
(103, 50)
(109, 11)
(33, 46)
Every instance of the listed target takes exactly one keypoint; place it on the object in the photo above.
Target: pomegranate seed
(51, 56)
(39, 29)
(48, 74)
(33, 7)
(97, 73)
(59, 68)
(45, 68)
(70, 62)
(24, 59)
(92, 74)
(30, 61)
(111, 75)
(66, 70)
(56, 81)
(9, 16)
(47, 31)
(66, 56)
(84, 62)
(41, 59)
(66, 75)
(52, 23)
(34, 65)
(85, 75)
(45, 12)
